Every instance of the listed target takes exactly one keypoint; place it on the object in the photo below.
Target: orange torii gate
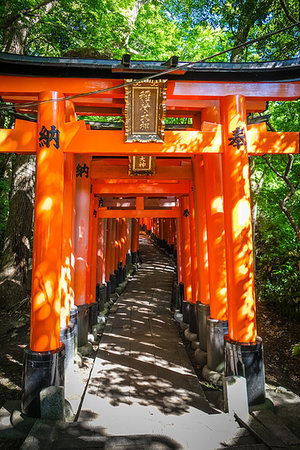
(212, 189)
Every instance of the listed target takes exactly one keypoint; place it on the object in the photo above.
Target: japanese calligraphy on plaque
(145, 111)
(141, 165)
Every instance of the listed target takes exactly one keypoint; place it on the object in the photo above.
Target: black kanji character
(46, 136)
(186, 213)
(238, 138)
(80, 170)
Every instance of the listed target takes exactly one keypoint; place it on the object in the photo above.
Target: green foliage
(296, 349)
(276, 242)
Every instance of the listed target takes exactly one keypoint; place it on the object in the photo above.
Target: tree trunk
(14, 261)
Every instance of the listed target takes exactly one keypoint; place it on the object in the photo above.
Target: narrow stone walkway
(142, 382)
(143, 393)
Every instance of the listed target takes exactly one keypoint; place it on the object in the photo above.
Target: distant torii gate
(212, 189)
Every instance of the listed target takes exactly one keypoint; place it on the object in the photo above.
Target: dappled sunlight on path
(142, 381)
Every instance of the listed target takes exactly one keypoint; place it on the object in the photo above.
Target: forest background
(156, 30)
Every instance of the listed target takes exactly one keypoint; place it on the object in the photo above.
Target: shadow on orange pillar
(82, 202)
(186, 248)
(48, 221)
(194, 267)
(108, 248)
(201, 228)
(215, 236)
(238, 227)
(67, 268)
(93, 267)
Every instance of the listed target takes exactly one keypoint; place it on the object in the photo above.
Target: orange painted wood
(261, 142)
(186, 249)
(140, 188)
(93, 267)
(201, 228)
(113, 247)
(78, 139)
(175, 89)
(100, 274)
(22, 139)
(99, 171)
(68, 256)
(135, 236)
(82, 203)
(108, 249)
(194, 262)
(251, 90)
(47, 236)
(238, 227)
(89, 258)
(108, 142)
(142, 213)
(179, 248)
(215, 236)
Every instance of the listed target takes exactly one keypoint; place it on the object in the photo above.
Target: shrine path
(143, 392)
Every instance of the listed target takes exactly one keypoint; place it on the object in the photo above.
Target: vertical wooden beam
(47, 236)
(201, 228)
(108, 247)
(83, 187)
(215, 236)
(238, 227)
(186, 248)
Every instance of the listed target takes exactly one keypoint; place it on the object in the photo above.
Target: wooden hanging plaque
(145, 111)
(141, 165)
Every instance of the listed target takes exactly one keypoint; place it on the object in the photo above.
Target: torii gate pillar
(44, 361)
(243, 350)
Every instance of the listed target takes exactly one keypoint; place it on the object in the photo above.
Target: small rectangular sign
(145, 111)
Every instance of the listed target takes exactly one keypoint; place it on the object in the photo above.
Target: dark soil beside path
(279, 335)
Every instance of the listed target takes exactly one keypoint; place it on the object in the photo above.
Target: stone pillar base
(134, 258)
(108, 291)
(83, 324)
(246, 360)
(74, 321)
(93, 314)
(113, 283)
(40, 371)
(216, 330)
(102, 296)
(186, 311)
(67, 338)
(203, 312)
(193, 318)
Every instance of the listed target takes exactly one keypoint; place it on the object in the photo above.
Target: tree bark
(14, 261)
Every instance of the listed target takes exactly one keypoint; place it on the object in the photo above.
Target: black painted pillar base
(40, 370)
(93, 314)
(181, 296)
(67, 338)
(247, 360)
(186, 311)
(108, 291)
(175, 297)
(74, 321)
(113, 283)
(102, 296)
(203, 312)
(134, 258)
(216, 330)
(83, 324)
(124, 273)
(139, 259)
(128, 259)
(193, 318)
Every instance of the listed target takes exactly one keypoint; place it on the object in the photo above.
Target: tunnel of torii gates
(89, 208)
